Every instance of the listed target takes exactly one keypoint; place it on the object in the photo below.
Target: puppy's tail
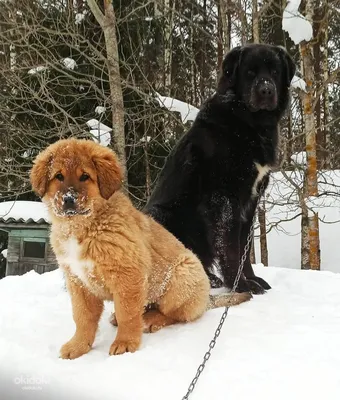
(227, 299)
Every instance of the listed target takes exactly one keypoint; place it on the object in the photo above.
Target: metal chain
(226, 310)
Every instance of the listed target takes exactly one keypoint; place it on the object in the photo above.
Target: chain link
(226, 310)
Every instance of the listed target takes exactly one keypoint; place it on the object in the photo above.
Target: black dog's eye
(84, 177)
(274, 72)
(60, 177)
(251, 73)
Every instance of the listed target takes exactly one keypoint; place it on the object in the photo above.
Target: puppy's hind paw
(113, 319)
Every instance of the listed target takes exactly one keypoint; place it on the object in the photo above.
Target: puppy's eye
(251, 73)
(84, 177)
(274, 72)
(59, 177)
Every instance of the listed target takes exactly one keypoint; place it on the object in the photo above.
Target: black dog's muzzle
(263, 95)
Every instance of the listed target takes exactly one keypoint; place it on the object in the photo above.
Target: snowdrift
(283, 345)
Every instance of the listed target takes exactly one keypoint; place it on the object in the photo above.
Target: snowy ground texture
(283, 346)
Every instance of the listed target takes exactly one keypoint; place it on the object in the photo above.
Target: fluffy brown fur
(111, 251)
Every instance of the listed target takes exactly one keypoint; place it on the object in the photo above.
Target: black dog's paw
(255, 287)
(215, 282)
(261, 282)
(242, 286)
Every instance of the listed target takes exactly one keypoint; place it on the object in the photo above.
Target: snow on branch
(299, 83)
(299, 158)
(100, 132)
(187, 111)
(37, 69)
(69, 63)
(293, 22)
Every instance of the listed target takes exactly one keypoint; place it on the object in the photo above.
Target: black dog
(208, 189)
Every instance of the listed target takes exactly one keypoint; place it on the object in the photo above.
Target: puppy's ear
(229, 70)
(109, 172)
(39, 174)
(289, 66)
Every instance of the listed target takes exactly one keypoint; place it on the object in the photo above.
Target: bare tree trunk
(203, 56)
(169, 17)
(252, 252)
(306, 51)
(290, 149)
(243, 21)
(193, 97)
(326, 102)
(107, 22)
(224, 30)
(320, 47)
(157, 11)
(147, 170)
(263, 233)
(304, 238)
(256, 26)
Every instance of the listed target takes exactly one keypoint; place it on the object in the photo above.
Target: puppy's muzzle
(69, 202)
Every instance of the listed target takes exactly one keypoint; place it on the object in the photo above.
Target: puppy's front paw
(74, 349)
(122, 346)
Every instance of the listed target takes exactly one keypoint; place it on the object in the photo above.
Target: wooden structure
(29, 247)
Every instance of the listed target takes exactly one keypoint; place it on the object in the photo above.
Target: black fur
(204, 192)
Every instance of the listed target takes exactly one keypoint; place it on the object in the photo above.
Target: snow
(100, 132)
(23, 211)
(27, 153)
(100, 110)
(299, 158)
(187, 111)
(284, 221)
(69, 63)
(282, 345)
(37, 69)
(293, 22)
(79, 17)
(145, 139)
(4, 253)
(299, 83)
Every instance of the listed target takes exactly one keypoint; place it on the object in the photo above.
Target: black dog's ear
(229, 69)
(289, 65)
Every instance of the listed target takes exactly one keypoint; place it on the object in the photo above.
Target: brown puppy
(111, 251)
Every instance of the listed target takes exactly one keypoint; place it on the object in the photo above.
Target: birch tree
(107, 21)
(307, 64)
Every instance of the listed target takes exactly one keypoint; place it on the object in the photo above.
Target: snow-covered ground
(283, 346)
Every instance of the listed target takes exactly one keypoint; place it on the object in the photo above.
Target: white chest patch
(262, 171)
(71, 258)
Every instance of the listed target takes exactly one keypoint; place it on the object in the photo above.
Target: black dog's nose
(266, 90)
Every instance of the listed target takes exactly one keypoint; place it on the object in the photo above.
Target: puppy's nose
(69, 202)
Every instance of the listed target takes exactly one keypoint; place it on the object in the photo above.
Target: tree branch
(96, 11)
(332, 77)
